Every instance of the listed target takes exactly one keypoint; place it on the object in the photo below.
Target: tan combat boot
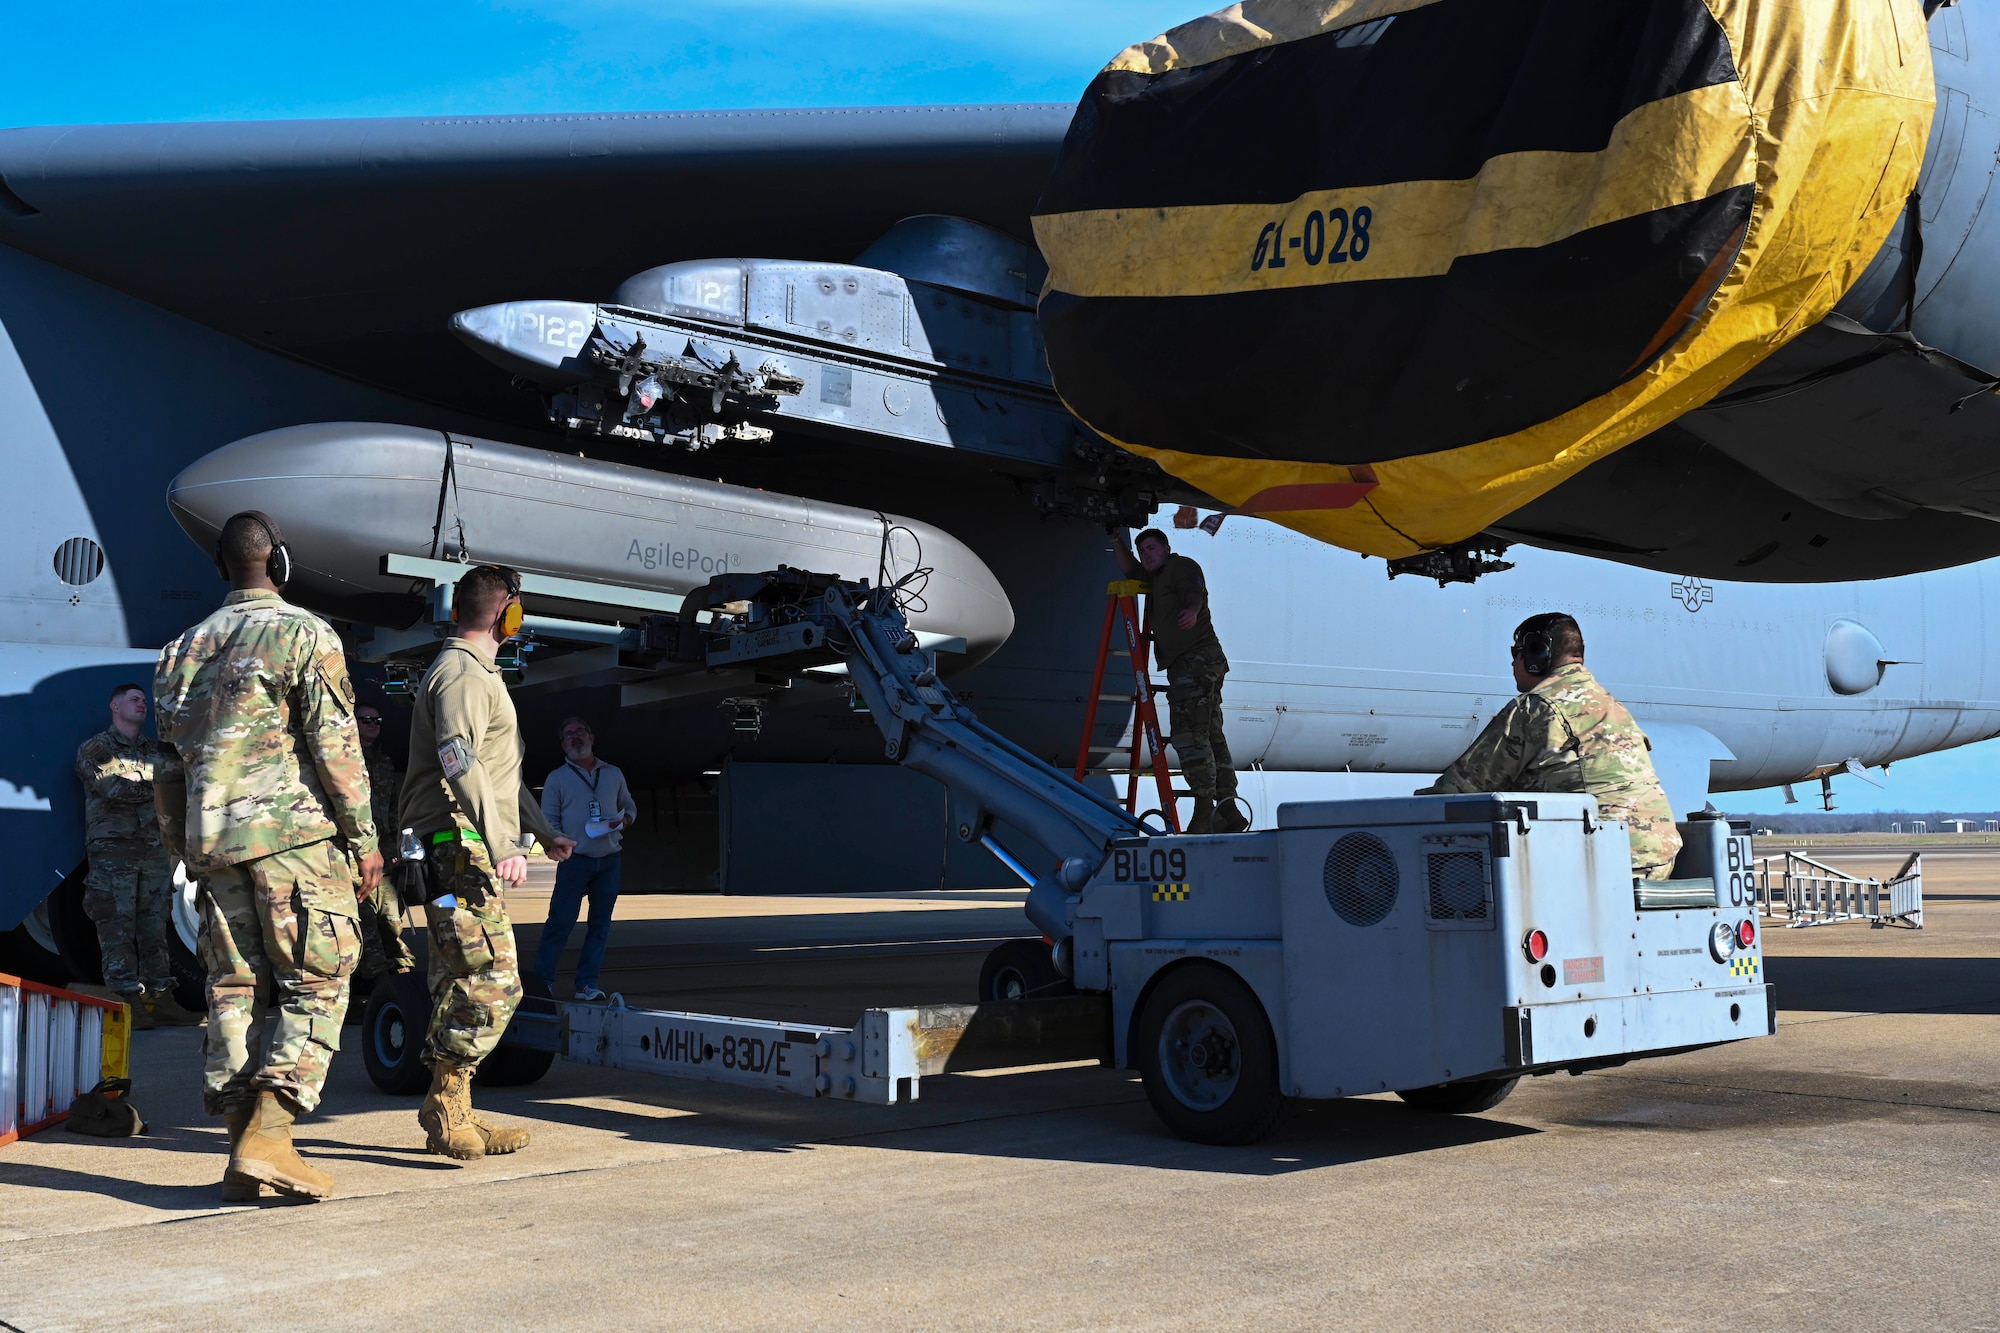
(1202, 820)
(168, 1012)
(264, 1153)
(446, 1114)
(500, 1139)
(235, 1188)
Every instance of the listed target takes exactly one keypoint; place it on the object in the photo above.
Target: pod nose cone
(287, 473)
(536, 339)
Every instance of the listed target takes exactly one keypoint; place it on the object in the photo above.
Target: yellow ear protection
(509, 623)
(278, 565)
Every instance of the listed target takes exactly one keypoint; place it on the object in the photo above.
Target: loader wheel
(392, 1034)
(1209, 1062)
(1021, 970)
(1480, 1094)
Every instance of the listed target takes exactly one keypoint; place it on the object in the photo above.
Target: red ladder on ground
(1121, 605)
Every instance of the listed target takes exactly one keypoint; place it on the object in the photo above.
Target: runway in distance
(1792, 579)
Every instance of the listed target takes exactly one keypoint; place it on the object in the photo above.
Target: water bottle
(412, 850)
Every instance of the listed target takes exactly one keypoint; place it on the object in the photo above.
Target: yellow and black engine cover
(1385, 270)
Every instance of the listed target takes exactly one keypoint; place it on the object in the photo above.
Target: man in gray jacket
(586, 799)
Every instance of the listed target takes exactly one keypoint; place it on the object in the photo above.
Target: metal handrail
(1807, 892)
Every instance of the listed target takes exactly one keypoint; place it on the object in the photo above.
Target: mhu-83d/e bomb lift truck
(1440, 947)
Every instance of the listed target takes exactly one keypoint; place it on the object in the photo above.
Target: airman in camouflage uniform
(1184, 641)
(1565, 733)
(274, 817)
(476, 821)
(383, 949)
(128, 889)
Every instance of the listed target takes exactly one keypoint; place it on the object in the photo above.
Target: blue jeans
(595, 877)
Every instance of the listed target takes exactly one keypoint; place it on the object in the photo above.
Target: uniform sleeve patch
(455, 757)
(333, 670)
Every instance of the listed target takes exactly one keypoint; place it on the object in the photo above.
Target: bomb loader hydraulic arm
(1486, 937)
(798, 620)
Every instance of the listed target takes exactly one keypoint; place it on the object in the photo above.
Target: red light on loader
(1536, 946)
(1746, 934)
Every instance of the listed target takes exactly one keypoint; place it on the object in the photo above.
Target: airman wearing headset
(1564, 732)
(269, 807)
(463, 797)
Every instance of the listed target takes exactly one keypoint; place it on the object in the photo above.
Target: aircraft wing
(1850, 454)
(350, 243)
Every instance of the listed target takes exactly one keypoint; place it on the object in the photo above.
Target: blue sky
(1952, 781)
(120, 61)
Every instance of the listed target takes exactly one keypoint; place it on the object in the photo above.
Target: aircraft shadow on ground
(1887, 985)
(1085, 1116)
(1314, 1135)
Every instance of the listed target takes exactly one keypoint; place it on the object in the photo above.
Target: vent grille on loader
(1361, 879)
(1458, 886)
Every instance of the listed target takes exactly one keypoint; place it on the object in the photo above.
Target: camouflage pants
(475, 975)
(383, 949)
(1194, 707)
(129, 896)
(280, 937)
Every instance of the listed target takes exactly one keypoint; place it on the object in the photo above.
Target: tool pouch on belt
(457, 900)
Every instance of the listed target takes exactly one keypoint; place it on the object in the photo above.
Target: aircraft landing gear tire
(74, 932)
(22, 955)
(1209, 1062)
(392, 1034)
(1481, 1094)
(1021, 970)
(190, 977)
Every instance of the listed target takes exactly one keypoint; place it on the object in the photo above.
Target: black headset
(278, 565)
(1535, 650)
(1535, 645)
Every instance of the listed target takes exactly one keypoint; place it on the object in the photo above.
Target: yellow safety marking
(116, 1060)
(1663, 154)
(1171, 893)
(1743, 965)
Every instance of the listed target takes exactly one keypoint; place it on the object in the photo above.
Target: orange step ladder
(1121, 606)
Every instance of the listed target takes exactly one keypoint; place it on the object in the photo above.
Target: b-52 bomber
(1782, 584)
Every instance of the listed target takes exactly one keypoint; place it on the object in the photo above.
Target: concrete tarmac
(1845, 1173)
